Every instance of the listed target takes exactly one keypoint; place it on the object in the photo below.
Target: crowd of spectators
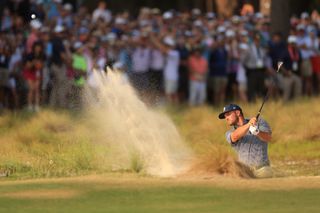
(168, 56)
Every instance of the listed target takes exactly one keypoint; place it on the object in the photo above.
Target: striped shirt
(250, 149)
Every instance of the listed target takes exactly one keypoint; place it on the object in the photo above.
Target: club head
(279, 65)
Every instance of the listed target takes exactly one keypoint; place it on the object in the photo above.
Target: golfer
(249, 138)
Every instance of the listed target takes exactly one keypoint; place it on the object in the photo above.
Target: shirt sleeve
(264, 126)
(228, 136)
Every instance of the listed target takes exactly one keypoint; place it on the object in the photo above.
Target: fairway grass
(133, 193)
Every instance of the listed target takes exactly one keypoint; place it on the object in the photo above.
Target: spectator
(292, 84)
(171, 69)
(34, 34)
(58, 69)
(157, 63)
(79, 66)
(255, 64)
(218, 70)
(101, 12)
(140, 65)
(305, 46)
(32, 73)
(198, 69)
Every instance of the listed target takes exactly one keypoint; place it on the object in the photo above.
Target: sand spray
(139, 138)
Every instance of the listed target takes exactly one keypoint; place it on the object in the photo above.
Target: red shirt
(198, 67)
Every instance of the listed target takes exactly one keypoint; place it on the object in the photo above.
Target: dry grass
(50, 144)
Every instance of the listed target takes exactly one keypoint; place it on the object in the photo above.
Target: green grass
(141, 195)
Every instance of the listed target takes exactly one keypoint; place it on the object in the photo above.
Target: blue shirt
(251, 150)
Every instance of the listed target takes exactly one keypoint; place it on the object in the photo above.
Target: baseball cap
(228, 108)
(292, 39)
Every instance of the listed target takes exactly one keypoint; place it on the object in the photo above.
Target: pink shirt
(33, 37)
(198, 67)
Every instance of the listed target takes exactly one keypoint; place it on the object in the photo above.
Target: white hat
(168, 40)
(197, 23)
(77, 45)
(35, 24)
(230, 33)
(221, 29)
(67, 6)
(243, 46)
(211, 15)
(304, 15)
(58, 29)
(111, 36)
(120, 20)
(196, 11)
(168, 15)
(292, 39)
(301, 27)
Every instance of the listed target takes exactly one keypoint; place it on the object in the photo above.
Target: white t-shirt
(171, 68)
(157, 60)
(305, 53)
(141, 60)
(100, 13)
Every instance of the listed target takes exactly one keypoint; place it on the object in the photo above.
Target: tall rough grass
(57, 143)
(46, 144)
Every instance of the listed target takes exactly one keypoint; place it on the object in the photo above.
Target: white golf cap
(168, 40)
(244, 46)
(292, 39)
(168, 15)
(77, 44)
(211, 15)
(58, 29)
(67, 7)
(301, 27)
(304, 15)
(230, 33)
(197, 23)
(221, 29)
(35, 24)
(120, 21)
(111, 36)
(196, 11)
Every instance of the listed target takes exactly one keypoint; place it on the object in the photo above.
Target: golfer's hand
(254, 130)
(253, 121)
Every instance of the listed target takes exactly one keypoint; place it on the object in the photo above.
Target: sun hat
(229, 108)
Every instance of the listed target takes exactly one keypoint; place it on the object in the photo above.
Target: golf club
(268, 91)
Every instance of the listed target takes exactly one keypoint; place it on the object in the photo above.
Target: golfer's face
(231, 117)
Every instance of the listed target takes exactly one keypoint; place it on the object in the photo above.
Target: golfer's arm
(239, 132)
(265, 136)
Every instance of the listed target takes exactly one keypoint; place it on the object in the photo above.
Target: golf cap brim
(228, 108)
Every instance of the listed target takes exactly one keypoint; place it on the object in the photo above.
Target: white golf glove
(254, 130)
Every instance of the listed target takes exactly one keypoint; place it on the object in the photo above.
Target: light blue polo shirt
(251, 150)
